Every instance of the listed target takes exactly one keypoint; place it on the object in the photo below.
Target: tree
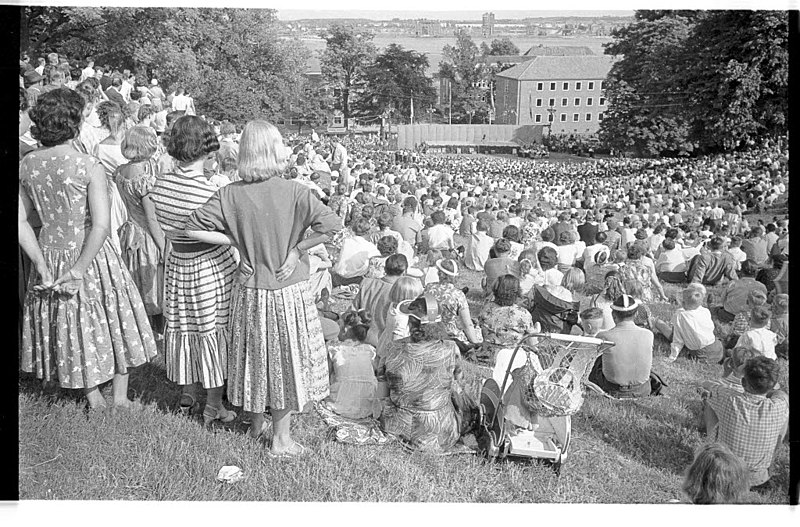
(503, 46)
(231, 60)
(468, 79)
(697, 81)
(344, 62)
(397, 76)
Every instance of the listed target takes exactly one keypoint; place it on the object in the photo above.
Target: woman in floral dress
(503, 323)
(453, 306)
(84, 322)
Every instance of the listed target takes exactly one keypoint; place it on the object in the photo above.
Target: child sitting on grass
(759, 336)
(741, 323)
(691, 330)
(430, 273)
(353, 381)
(732, 372)
(591, 321)
(780, 324)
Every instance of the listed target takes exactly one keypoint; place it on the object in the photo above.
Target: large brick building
(565, 91)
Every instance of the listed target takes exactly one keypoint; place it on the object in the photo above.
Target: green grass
(621, 452)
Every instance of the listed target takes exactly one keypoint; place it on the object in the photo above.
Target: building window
(552, 86)
(550, 118)
(538, 118)
(576, 117)
(602, 101)
(551, 102)
(566, 86)
(538, 102)
(506, 84)
(577, 101)
(602, 85)
(338, 120)
(588, 117)
(591, 85)
(589, 101)
(564, 101)
(599, 116)
(577, 85)
(539, 86)
(563, 118)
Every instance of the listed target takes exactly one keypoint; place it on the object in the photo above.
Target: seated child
(741, 322)
(591, 320)
(529, 271)
(780, 324)
(732, 373)
(759, 336)
(353, 382)
(430, 273)
(387, 246)
(691, 330)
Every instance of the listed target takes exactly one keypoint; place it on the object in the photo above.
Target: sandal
(189, 408)
(211, 413)
(296, 451)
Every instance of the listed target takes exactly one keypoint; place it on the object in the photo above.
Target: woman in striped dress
(198, 276)
(277, 354)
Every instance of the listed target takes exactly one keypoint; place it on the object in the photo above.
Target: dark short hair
(360, 226)
(385, 219)
(387, 245)
(396, 264)
(410, 203)
(502, 246)
(548, 258)
(191, 138)
(506, 290)
(635, 251)
(57, 116)
(761, 374)
(715, 243)
(548, 235)
(438, 217)
(749, 268)
(511, 233)
(600, 237)
(668, 244)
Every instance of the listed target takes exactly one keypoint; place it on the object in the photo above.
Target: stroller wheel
(557, 468)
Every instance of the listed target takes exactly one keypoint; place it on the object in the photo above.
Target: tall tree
(397, 76)
(346, 58)
(503, 46)
(468, 80)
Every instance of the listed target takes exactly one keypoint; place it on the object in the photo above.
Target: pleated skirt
(277, 354)
(197, 290)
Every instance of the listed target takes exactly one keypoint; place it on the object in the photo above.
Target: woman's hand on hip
(289, 265)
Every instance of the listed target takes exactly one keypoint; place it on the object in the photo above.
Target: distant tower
(488, 24)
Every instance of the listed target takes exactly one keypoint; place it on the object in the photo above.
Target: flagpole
(450, 103)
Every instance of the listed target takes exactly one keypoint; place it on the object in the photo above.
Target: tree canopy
(231, 60)
(468, 80)
(500, 46)
(697, 81)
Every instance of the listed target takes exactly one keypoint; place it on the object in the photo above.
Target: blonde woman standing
(277, 351)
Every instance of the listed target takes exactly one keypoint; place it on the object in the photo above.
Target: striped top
(175, 196)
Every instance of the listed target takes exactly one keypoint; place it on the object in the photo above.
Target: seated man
(478, 246)
(503, 264)
(671, 265)
(353, 261)
(624, 369)
(734, 297)
(713, 266)
(691, 331)
(752, 424)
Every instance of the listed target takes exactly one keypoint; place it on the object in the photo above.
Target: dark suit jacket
(587, 232)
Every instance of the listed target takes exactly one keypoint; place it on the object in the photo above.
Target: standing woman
(198, 276)
(109, 152)
(141, 237)
(278, 356)
(88, 325)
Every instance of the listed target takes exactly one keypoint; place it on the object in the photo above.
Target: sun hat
(424, 308)
(447, 266)
(625, 304)
(32, 77)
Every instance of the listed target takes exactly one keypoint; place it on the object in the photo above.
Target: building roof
(561, 67)
(569, 51)
(504, 59)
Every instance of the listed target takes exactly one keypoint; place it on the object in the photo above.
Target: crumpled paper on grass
(230, 474)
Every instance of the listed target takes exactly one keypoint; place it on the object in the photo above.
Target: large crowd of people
(147, 229)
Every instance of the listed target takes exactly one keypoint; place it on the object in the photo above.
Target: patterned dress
(84, 339)
(503, 326)
(139, 249)
(197, 285)
(420, 410)
(637, 271)
(451, 302)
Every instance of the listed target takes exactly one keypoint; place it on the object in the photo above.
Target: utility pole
(450, 103)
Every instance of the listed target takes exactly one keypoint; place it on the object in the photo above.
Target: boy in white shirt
(734, 248)
(759, 336)
(691, 330)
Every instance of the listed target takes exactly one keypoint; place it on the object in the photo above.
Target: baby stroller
(525, 408)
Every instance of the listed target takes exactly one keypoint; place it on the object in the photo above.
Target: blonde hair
(140, 142)
(716, 476)
(405, 288)
(261, 152)
(573, 280)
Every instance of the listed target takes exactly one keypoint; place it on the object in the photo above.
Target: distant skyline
(300, 14)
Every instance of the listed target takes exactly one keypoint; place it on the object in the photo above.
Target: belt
(191, 247)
